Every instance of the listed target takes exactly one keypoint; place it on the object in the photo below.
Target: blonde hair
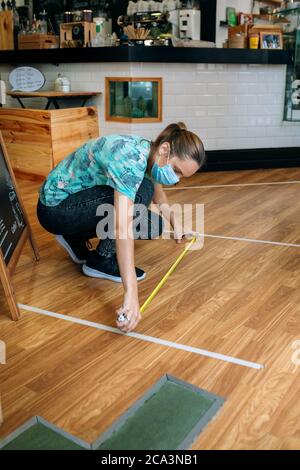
(183, 143)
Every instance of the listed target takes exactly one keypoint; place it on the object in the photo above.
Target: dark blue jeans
(75, 217)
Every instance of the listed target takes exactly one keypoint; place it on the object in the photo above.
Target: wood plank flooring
(233, 297)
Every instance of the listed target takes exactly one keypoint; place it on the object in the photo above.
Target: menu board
(12, 222)
(26, 79)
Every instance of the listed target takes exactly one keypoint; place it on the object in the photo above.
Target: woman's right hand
(131, 310)
(125, 255)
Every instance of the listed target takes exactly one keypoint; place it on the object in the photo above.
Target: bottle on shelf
(43, 22)
(98, 40)
(16, 20)
(27, 28)
(34, 25)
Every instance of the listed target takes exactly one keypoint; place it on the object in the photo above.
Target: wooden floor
(232, 297)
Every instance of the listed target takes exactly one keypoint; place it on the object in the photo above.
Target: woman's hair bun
(182, 126)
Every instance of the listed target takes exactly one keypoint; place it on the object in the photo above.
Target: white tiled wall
(228, 106)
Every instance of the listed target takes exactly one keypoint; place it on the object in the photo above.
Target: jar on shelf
(77, 16)
(68, 16)
(253, 40)
(87, 15)
(62, 84)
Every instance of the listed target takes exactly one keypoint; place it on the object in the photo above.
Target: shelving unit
(292, 44)
(271, 2)
(267, 17)
(270, 17)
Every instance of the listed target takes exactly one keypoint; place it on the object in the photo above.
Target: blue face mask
(164, 174)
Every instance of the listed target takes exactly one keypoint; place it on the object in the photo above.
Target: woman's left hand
(178, 235)
(181, 237)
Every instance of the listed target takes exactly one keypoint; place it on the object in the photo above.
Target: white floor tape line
(149, 339)
(252, 240)
(241, 239)
(235, 185)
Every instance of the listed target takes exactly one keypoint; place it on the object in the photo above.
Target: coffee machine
(190, 24)
(174, 20)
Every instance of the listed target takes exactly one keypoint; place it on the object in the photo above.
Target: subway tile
(206, 77)
(256, 131)
(246, 99)
(171, 88)
(231, 144)
(201, 67)
(266, 99)
(199, 111)
(237, 110)
(52, 75)
(174, 111)
(295, 142)
(196, 89)
(182, 88)
(195, 123)
(154, 67)
(217, 111)
(203, 122)
(226, 99)
(217, 88)
(217, 67)
(227, 77)
(246, 76)
(190, 100)
(170, 100)
(221, 133)
(237, 67)
(242, 88)
(185, 76)
(209, 144)
(227, 121)
(246, 121)
(279, 99)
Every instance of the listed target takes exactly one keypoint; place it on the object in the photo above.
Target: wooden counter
(38, 139)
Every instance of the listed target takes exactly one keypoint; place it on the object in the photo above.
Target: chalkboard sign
(14, 229)
(12, 221)
(26, 79)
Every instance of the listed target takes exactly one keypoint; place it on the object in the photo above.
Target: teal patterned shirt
(119, 161)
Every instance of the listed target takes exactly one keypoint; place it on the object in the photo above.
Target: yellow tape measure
(122, 317)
